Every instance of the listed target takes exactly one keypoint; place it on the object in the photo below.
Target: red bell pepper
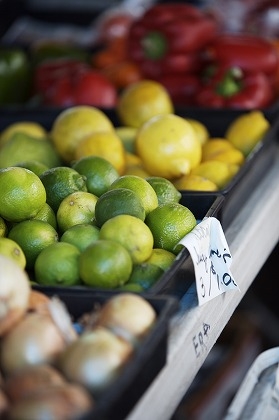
(168, 38)
(234, 88)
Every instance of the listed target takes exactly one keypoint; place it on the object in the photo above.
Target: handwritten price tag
(211, 258)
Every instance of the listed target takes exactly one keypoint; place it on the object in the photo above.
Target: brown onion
(94, 359)
(14, 293)
(4, 404)
(31, 380)
(38, 301)
(63, 402)
(128, 315)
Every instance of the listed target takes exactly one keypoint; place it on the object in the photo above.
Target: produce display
(104, 333)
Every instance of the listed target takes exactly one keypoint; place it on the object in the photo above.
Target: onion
(63, 402)
(14, 293)
(31, 380)
(94, 359)
(37, 338)
(127, 315)
(4, 404)
(38, 301)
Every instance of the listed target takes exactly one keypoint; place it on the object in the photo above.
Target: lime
(118, 201)
(162, 258)
(33, 236)
(169, 223)
(58, 265)
(132, 233)
(59, 182)
(105, 264)
(33, 165)
(46, 214)
(127, 136)
(141, 187)
(142, 100)
(22, 194)
(99, 173)
(13, 250)
(22, 146)
(165, 190)
(75, 123)
(30, 128)
(3, 227)
(145, 275)
(77, 208)
(81, 235)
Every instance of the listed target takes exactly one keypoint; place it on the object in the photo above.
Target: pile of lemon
(91, 203)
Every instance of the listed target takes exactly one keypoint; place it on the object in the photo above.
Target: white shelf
(251, 237)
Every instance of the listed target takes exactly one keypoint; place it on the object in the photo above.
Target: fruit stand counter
(251, 237)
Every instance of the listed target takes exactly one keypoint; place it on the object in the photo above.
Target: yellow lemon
(200, 129)
(22, 194)
(75, 123)
(169, 223)
(137, 170)
(223, 150)
(168, 146)
(195, 183)
(127, 135)
(142, 100)
(141, 187)
(217, 172)
(31, 128)
(105, 144)
(247, 130)
(105, 264)
(58, 265)
(132, 233)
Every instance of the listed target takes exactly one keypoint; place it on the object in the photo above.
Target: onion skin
(34, 340)
(38, 301)
(95, 359)
(128, 315)
(63, 402)
(4, 404)
(31, 380)
(14, 293)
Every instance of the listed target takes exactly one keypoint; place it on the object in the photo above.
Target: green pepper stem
(154, 45)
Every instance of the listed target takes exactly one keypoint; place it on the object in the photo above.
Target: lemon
(58, 265)
(216, 171)
(105, 144)
(132, 233)
(137, 170)
(132, 159)
(142, 100)
(127, 135)
(169, 223)
(247, 130)
(33, 236)
(105, 264)
(99, 173)
(161, 258)
(81, 235)
(46, 214)
(33, 165)
(195, 183)
(77, 208)
(13, 250)
(168, 146)
(145, 275)
(223, 150)
(23, 146)
(141, 187)
(165, 190)
(59, 182)
(31, 128)
(75, 123)
(200, 129)
(118, 201)
(3, 227)
(22, 194)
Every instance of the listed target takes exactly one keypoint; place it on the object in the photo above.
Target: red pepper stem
(231, 83)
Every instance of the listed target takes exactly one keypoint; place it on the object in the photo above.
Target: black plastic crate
(148, 359)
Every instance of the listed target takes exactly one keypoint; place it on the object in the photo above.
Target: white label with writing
(212, 259)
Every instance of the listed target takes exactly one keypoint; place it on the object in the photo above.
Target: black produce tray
(120, 397)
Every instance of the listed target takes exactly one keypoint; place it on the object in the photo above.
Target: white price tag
(211, 258)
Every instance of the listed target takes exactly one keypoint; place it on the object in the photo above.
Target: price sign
(211, 258)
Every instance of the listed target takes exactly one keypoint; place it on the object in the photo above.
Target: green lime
(105, 264)
(59, 182)
(145, 275)
(46, 214)
(99, 173)
(58, 265)
(162, 258)
(13, 250)
(81, 235)
(165, 190)
(118, 201)
(3, 227)
(33, 165)
(33, 236)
